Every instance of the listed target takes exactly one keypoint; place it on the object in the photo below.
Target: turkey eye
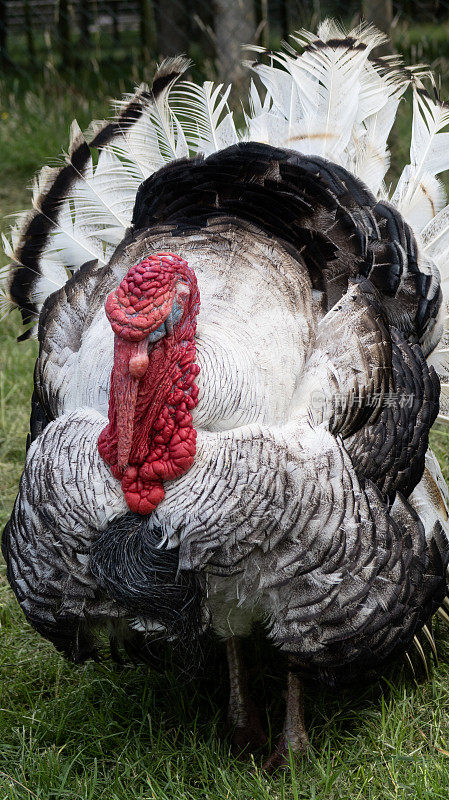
(154, 336)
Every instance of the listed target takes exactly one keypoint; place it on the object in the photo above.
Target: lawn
(112, 732)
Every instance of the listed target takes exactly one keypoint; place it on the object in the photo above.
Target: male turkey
(234, 388)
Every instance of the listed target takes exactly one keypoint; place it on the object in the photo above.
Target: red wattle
(164, 439)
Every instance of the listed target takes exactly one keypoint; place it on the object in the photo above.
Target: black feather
(314, 206)
(38, 419)
(38, 231)
(135, 569)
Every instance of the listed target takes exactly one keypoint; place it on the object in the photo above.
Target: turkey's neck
(163, 441)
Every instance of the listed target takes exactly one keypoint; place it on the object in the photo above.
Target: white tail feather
(330, 101)
(435, 244)
(419, 196)
(154, 139)
(435, 240)
(444, 400)
(315, 109)
(201, 108)
(379, 99)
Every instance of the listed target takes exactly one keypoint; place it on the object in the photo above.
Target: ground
(107, 732)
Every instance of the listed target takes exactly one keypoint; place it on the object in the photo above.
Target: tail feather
(306, 106)
(435, 247)
(419, 195)
(81, 211)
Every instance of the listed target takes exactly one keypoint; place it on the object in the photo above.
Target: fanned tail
(81, 211)
(330, 99)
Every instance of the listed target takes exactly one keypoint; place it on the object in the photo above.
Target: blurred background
(61, 59)
(88, 42)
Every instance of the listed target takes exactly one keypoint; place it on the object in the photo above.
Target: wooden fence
(65, 23)
(32, 31)
(44, 14)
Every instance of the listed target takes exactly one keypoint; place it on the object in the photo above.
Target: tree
(174, 27)
(380, 13)
(235, 25)
(147, 31)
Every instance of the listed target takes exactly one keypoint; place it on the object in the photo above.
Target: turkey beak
(130, 365)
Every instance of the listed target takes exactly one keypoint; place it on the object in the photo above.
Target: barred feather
(81, 211)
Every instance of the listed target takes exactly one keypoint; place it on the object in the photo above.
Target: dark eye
(157, 334)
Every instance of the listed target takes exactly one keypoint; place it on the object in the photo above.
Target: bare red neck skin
(150, 437)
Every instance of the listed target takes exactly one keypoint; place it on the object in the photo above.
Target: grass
(106, 732)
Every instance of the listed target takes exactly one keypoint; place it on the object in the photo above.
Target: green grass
(117, 733)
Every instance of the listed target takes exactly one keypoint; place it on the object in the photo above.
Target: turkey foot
(294, 734)
(243, 717)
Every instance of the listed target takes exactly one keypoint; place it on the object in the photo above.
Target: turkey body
(304, 514)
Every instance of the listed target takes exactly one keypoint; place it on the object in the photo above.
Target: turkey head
(150, 437)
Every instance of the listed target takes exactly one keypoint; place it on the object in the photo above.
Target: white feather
(439, 359)
(444, 400)
(259, 122)
(426, 199)
(281, 113)
(435, 241)
(153, 140)
(330, 29)
(379, 98)
(329, 83)
(199, 110)
(315, 95)
(419, 195)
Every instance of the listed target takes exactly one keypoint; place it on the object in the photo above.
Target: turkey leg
(294, 733)
(243, 717)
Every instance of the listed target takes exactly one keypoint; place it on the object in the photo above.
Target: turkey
(240, 342)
